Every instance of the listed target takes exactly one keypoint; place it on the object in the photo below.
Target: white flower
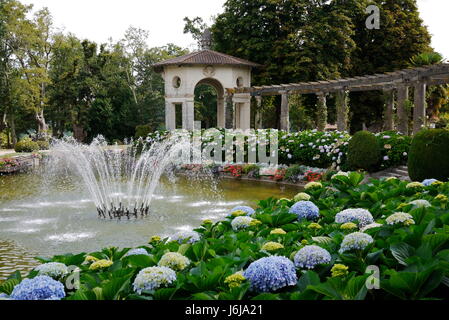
(52, 269)
(241, 222)
(153, 278)
(386, 158)
(400, 217)
(174, 260)
(340, 173)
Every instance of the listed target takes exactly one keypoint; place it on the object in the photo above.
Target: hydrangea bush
(275, 255)
(270, 274)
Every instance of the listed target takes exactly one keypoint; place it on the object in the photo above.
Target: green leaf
(401, 252)
(322, 240)
(8, 286)
(202, 296)
(266, 296)
(307, 279)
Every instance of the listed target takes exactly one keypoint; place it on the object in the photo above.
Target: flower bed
(327, 149)
(320, 246)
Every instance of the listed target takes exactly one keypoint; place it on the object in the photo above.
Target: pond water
(55, 215)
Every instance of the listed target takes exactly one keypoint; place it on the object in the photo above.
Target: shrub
(429, 155)
(143, 131)
(26, 145)
(3, 140)
(43, 144)
(364, 152)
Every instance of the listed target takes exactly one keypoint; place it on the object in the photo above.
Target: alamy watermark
(373, 20)
(229, 146)
(373, 280)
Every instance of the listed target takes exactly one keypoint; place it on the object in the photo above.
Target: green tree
(303, 40)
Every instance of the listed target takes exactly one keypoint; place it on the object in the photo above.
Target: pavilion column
(245, 116)
(221, 114)
(402, 110)
(285, 112)
(258, 114)
(389, 107)
(229, 111)
(342, 110)
(188, 114)
(321, 111)
(170, 116)
(419, 110)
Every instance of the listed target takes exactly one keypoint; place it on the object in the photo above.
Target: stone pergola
(395, 85)
(221, 71)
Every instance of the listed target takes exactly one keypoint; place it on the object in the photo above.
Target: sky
(99, 20)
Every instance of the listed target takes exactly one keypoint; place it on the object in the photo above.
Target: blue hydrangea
(428, 182)
(138, 251)
(361, 216)
(355, 241)
(305, 210)
(311, 256)
(249, 211)
(190, 236)
(271, 273)
(39, 288)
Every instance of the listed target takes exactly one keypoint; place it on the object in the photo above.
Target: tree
(302, 40)
(32, 44)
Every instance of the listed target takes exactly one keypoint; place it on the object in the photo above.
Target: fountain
(120, 180)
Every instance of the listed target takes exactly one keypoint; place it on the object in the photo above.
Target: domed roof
(205, 57)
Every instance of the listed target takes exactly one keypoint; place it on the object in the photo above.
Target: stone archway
(222, 72)
(220, 91)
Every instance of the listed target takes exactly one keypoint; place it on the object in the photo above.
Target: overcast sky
(98, 20)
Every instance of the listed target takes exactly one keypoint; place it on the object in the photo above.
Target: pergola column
(221, 114)
(389, 106)
(342, 110)
(170, 116)
(285, 112)
(402, 109)
(321, 111)
(419, 110)
(258, 113)
(242, 111)
(229, 111)
(188, 114)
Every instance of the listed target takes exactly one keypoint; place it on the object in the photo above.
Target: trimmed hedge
(364, 152)
(26, 145)
(429, 155)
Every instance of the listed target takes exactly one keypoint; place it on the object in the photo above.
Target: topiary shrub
(26, 145)
(364, 152)
(43, 145)
(429, 155)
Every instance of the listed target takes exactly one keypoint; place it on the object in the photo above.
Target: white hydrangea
(400, 218)
(153, 278)
(174, 260)
(362, 216)
(55, 270)
(340, 173)
(191, 236)
(241, 222)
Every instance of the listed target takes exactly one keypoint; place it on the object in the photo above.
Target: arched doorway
(209, 103)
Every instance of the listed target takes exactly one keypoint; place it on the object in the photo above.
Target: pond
(47, 214)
